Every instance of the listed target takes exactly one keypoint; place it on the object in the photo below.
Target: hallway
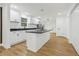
(56, 46)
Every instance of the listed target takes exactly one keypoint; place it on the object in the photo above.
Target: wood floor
(56, 46)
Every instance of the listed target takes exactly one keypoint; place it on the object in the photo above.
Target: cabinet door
(20, 36)
(13, 37)
(23, 35)
(14, 15)
(15, 19)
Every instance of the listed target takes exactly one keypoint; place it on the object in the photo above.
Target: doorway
(0, 25)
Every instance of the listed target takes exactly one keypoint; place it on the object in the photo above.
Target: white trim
(73, 7)
(6, 46)
(0, 44)
(17, 42)
(77, 50)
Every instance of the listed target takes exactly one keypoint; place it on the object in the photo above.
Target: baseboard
(9, 46)
(75, 48)
(6, 46)
(17, 42)
(0, 44)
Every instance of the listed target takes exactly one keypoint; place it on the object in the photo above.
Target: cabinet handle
(18, 34)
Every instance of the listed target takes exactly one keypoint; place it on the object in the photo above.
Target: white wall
(62, 26)
(74, 30)
(49, 23)
(5, 26)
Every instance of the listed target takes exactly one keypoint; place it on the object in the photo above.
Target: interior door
(0, 25)
(60, 26)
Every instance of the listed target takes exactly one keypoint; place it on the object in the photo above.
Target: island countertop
(37, 31)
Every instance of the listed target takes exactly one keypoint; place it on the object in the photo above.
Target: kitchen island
(36, 39)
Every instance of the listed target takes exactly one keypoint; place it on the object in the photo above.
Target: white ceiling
(44, 9)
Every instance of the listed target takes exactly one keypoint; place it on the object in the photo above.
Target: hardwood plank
(56, 46)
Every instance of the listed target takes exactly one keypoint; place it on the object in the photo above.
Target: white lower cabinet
(13, 37)
(17, 36)
(35, 40)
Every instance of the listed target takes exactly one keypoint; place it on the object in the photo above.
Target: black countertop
(30, 30)
(37, 31)
(21, 29)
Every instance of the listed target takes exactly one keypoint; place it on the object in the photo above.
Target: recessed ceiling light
(59, 13)
(42, 10)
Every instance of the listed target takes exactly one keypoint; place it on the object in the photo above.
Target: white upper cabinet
(15, 15)
(15, 18)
